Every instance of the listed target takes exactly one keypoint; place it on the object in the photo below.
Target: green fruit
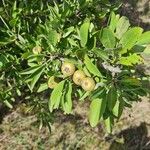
(37, 50)
(52, 83)
(88, 84)
(78, 77)
(67, 69)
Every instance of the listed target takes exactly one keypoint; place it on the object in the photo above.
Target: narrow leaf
(30, 70)
(91, 67)
(84, 33)
(94, 114)
(118, 108)
(113, 21)
(56, 96)
(38, 73)
(108, 124)
(7, 103)
(68, 31)
(68, 99)
(42, 87)
(111, 98)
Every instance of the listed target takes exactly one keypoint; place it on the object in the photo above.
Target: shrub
(42, 49)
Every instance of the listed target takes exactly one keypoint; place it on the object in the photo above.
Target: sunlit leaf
(55, 97)
(91, 67)
(68, 99)
(107, 38)
(42, 87)
(94, 114)
(130, 38)
(131, 60)
(108, 123)
(122, 26)
(84, 33)
(144, 38)
(113, 21)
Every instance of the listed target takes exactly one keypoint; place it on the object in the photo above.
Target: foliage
(35, 42)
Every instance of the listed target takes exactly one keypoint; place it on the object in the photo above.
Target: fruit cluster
(79, 77)
(68, 69)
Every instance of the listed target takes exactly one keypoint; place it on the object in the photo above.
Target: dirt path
(132, 132)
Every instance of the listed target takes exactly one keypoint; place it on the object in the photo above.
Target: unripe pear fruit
(88, 84)
(78, 76)
(67, 69)
(52, 83)
(37, 50)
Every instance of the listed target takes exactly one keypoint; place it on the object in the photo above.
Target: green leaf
(56, 95)
(85, 95)
(3, 60)
(112, 97)
(97, 93)
(6, 40)
(43, 87)
(82, 2)
(101, 54)
(68, 31)
(18, 92)
(72, 42)
(84, 30)
(122, 26)
(53, 37)
(131, 81)
(30, 70)
(107, 38)
(130, 38)
(138, 49)
(27, 55)
(94, 114)
(1, 65)
(131, 60)
(144, 38)
(109, 124)
(91, 67)
(68, 99)
(35, 78)
(91, 42)
(113, 21)
(147, 50)
(7, 103)
(98, 106)
(118, 108)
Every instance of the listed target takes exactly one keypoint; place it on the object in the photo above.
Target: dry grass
(132, 132)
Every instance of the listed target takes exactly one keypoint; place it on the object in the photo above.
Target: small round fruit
(68, 69)
(52, 83)
(78, 77)
(88, 84)
(37, 50)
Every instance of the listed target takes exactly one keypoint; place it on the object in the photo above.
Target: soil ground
(132, 132)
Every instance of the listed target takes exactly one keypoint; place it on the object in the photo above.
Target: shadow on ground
(138, 12)
(134, 138)
(4, 110)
